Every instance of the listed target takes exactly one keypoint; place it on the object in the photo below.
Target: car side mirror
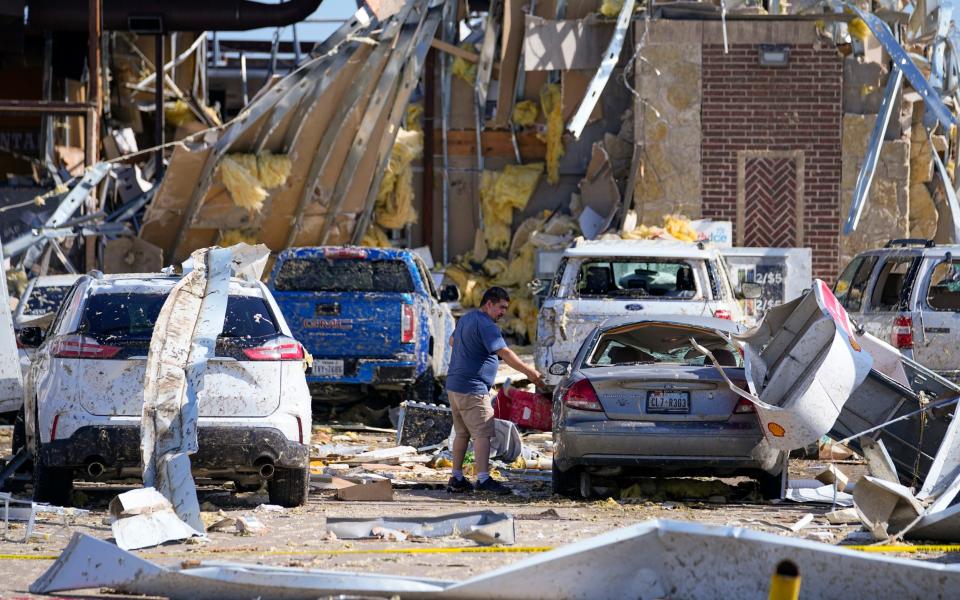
(560, 368)
(749, 290)
(449, 293)
(30, 337)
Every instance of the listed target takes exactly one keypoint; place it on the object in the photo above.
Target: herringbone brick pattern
(770, 202)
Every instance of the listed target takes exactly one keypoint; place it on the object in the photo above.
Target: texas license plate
(328, 368)
(661, 401)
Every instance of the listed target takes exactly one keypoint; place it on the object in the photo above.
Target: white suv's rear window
(661, 278)
(131, 316)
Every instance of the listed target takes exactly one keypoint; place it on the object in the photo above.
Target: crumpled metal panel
(653, 559)
(184, 338)
(801, 363)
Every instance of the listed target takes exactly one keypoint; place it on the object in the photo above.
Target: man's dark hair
(495, 295)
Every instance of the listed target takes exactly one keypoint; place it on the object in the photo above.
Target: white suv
(597, 280)
(84, 392)
(908, 293)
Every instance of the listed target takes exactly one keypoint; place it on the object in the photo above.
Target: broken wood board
(376, 491)
(511, 43)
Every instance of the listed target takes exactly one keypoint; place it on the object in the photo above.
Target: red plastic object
(526, 409)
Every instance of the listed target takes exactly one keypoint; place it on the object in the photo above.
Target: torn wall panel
(510, 47)
(564, 45)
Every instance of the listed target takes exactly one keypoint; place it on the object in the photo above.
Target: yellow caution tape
(465, 550)
(906, 548)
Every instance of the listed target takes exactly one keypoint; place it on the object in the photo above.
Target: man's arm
(511, 358)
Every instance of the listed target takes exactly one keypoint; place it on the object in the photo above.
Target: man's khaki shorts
(472, 415)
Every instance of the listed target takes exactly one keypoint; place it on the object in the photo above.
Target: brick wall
(794, 111)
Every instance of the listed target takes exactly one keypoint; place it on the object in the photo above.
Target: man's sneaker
(459, 485)
(492, 486)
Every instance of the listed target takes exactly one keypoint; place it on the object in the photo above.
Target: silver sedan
(640, 399)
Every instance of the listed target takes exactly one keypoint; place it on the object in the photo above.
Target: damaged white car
(640, 399)
(85, 391)
(598, 280)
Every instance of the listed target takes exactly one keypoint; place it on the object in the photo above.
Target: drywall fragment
(184, 337)
(885, 508)
(831, 475)
(842, 516)
(143, 518)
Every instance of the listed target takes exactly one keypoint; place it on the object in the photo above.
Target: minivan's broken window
(661, 343)
(888, 290)
(662, 278)
(944, 290)
(131, 316)
(343, 275)
(45, 299)
(853, 281)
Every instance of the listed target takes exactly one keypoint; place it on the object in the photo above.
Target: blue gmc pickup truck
(371, 317)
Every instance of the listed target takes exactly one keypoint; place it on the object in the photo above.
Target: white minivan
(83, 396)
(598, 280)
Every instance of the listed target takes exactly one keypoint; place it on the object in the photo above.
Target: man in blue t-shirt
(477, 347)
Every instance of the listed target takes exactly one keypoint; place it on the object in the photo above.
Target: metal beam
(383, 96)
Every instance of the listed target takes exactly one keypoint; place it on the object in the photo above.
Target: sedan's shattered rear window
(343, 275)
(45, 299)
(661, 343)
(131, 316)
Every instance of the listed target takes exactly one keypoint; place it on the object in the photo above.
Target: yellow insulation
(375, 237)
(525, 113)
(463, 68)
(858, 29)
(244, 188)
(273, 169)
(471, 285)
(394, 208)
(500, 194)
(675, 227)
(611, 8)
(414, 115)
(550, 103)
(230, 237)
(247, 161)
(177, 113)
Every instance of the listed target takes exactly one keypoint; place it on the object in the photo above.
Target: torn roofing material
(654, 559)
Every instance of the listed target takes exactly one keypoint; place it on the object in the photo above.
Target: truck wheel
(566, 483)
(289, 487)
(51, 484)
(424, 388)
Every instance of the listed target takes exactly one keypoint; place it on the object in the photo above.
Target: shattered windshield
(662, 278)
(661, 343)
(343, 275)
(132, 316)
(46, 299)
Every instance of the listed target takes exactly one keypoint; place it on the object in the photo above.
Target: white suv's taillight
(281, 348)
(722, 313)
(744, 406)
(902, 337)
(79, 346)
(408, 324)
